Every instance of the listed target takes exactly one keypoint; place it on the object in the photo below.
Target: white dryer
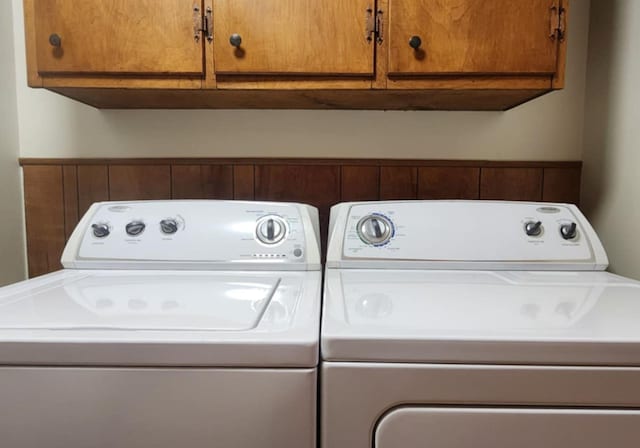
(173, 324)
(456, 324)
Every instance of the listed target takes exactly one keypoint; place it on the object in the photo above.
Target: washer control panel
(441, 232)
(193, 232)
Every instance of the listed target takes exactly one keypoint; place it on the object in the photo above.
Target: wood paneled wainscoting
(58, 191)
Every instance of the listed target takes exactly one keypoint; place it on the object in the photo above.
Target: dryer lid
(481, 317)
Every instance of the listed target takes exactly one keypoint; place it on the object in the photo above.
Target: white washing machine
(173, 324)
(454, 324)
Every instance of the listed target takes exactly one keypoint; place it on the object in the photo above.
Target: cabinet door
(299, 37)
(472, 37)
(117, 37)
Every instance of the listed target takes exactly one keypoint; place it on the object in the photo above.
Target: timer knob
(168, 226)
(533, 228)
(271, 230)
(376, 230)
(135, 228)
(569, 231)
(101, 230)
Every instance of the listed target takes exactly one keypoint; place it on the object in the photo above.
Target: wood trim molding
(26, 161)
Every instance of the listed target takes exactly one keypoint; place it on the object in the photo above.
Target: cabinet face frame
(559, 77)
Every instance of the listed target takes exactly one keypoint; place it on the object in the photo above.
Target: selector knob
(135, 228)
(168, 226)
(101, 230)
(533, 228)
(271, 230)
(569, 231)
(376, 230)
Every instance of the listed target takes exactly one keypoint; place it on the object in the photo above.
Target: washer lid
(481, 317)
(168, 318)
(120, 301)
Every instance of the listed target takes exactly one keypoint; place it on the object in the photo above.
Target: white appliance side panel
(355, 396)
(154, 408)
(417, 427)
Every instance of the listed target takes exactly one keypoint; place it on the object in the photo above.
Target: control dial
(101, 230)
(135, 228)
(168, 226)
(569, 231)
(271, 230)
(533, 228)
(375, 229)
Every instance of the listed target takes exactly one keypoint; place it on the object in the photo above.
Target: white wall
(611, 180)
(549, 128)
(12, 264)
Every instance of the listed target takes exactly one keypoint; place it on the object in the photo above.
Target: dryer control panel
(194, 235)
(463, 235)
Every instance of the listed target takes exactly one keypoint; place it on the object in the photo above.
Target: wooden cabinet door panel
(305, 37)
(118, 37)
(472, 37)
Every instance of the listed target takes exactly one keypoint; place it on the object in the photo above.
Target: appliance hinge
(202, 24)
(558, 23)
(374, 25)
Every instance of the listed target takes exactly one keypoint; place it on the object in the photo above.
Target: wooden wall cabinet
(356, 54)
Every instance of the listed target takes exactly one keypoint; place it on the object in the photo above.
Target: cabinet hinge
(202, 24)
(374, 25)
(558, 23)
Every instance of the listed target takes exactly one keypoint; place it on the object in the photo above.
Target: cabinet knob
(235, 40)
(415, 42)
(55, 40)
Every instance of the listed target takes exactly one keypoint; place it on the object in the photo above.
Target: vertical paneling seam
(542, 180)
(339, 180)
(64, 203)
(108, 168)
(171, 180)
(254, 180)
(50, 267)
(233, 183)
(78, 193)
